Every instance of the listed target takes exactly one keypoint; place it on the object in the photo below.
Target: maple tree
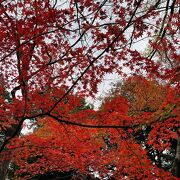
(144, 95)
(54, 54)
(157, 105)
(104, 150)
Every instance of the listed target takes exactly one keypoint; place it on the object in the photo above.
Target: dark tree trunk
(4, 169)
(5, 161)
(176, 164)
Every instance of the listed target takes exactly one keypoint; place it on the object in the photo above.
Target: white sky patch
(103, 89)
(27, 127)
(106, 85)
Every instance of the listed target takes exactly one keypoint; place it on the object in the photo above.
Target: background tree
(142, 94)
(158, 105)
(129, 151)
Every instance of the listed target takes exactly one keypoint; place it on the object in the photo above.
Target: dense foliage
(54, 54)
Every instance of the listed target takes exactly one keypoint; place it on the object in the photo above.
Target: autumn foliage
(54, 54)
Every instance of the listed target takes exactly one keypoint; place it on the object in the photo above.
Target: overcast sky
(110, 79)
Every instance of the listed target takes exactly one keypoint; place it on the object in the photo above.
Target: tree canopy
(54, 54)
